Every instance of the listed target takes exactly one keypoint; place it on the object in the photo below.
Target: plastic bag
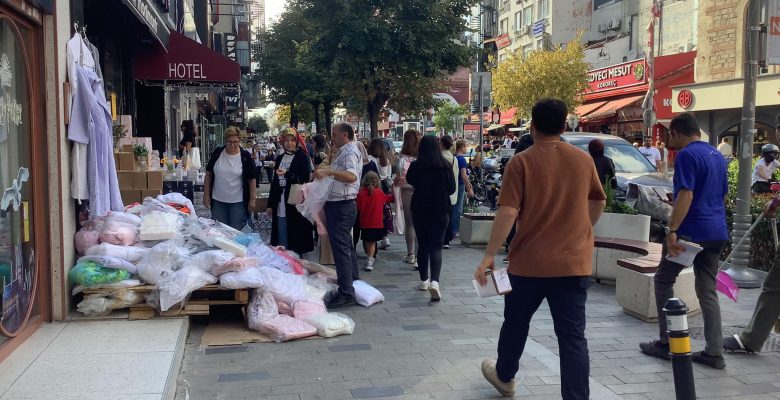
(161, 261)
(177, 198)
(269, 257)
(367, 295)
(102, 303)
(89, 273)
(332, 324)
(119, 233)
(288, 288)
(207, 230)
(128, 253)
(284, 308)
(110, 262)
(283, 328)
(315, 194)
(124, 218)
(181, 284)
(85, 239)
(647, 201)
(262, 307)
(159, 226)
(292, 260)
(247, 239)
(248, 278)
(317, 288)
(210, 259)
(303, 309)
(108, 286)
(236, 264)
(230, 246)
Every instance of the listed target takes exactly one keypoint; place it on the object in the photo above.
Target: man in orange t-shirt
(552, 195)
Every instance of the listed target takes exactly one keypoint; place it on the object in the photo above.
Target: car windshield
(626, 157)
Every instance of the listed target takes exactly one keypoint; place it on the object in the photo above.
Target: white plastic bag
(124, 217)
(332, 324)
(366, 295)
(119, 233)
(161, 261)
(283, 328)
(128, 253)
(159, 225)
(315, 194)
(235, 265)
(210, 259)
(102, 303)
(262, 307)
(181, 284)
(248, 278)
(269, 257)
(288, 288)
(111, 262)
(177, 198)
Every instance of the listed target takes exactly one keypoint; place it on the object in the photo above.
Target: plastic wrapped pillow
(128, 253)
(230, 246)
(236, 264)
(119, 233)
(367, 295)
(103, 303)
(283, 328)
(108, 286)
(86, 239)
(181, 284)
(111, 262)
(262, 307)
(125, 218)
(248, 278)
(315, 194)
(161, 260)
(269, 257)
(158, 225)
(303, 309)
(288, 288)
(332, 324)
(210, 259)
(89, 273)
(284, 308)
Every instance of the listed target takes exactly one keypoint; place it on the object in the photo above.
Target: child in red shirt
(371, 202)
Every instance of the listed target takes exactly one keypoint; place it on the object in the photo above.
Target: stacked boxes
(135, 186)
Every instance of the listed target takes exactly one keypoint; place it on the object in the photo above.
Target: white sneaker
(409, 259)
(435, 292)
(370, 264)
(384, 244)
(414, 263)
(424, 285)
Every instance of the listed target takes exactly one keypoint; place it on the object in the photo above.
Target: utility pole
(738, 268)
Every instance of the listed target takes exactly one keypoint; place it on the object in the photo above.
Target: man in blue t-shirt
(699, 216)
(464, 187)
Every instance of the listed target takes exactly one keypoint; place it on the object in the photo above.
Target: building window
(528, 15)
(540, 44)
(542, 11)
(527, 49)
(518, 20)
(504, 26)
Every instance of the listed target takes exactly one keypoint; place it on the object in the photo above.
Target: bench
(634, 272)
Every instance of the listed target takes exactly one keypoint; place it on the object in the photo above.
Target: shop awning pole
(738, 268)
(167, 116)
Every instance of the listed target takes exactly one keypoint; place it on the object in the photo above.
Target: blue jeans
(566, 297)
(282, 231)
(231, 214)
(339, 219)
(457, 210)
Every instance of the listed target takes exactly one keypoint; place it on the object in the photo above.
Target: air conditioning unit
(614, 24)
(529, 29)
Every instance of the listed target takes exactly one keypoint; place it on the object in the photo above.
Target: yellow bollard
(680, 347)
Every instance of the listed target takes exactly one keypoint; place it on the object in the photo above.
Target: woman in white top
(404, 160)
(765, 168)
(229, 186)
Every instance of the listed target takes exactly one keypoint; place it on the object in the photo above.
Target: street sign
(539, 28)
(503, 41)
(685, 99)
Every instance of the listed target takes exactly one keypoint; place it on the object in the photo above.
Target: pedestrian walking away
(545, 261)
(371, 201)
(341, 211)
(447, 145)
(699, 216)
(433, 182)
(464, 187)
(405, 159)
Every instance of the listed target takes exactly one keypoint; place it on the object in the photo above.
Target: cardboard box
(154, 180)
(126, 161)
(139, 180)
(125, 179)
(131, 196)
(127, 148)
(116, 159)
(150, 193)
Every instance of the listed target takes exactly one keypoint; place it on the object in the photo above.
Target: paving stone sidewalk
(410, 348)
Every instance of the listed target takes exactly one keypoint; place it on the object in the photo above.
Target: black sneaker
(342, 300)
(446, 246)
(656, 348)
(734, 344)
(717, 362)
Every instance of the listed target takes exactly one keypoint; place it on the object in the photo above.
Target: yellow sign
(113, 106)
(26, 221)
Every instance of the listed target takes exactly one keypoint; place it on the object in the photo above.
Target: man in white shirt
(725, 148)
(508, 142)
(651, 153)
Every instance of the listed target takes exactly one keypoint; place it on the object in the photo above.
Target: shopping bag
(388, 218)
(726, 285)
(194, 161)
(400, 223)
(296, 195)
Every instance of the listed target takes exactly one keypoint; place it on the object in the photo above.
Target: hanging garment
(78, 54)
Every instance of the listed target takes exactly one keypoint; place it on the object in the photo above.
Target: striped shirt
(348, 159)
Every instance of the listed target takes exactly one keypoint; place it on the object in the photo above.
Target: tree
(375, 50)
(561, 73)
(258, 124)
(446, 114)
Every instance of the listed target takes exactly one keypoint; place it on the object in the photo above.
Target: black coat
(247, 171)
(432, 188)
(300, 232)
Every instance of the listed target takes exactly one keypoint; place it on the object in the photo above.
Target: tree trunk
(316, 106)
(293, 116)
(374, 106)
(328, 108)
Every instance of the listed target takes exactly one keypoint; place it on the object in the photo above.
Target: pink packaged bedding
(235, 265)
(119, 234)
(303, 309)
(86, 238)
(284, 328)
(284, 308)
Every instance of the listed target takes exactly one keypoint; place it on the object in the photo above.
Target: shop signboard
(539, 28)
(149, 13)
(231, 100)
(503, 41)
(230, 46)
(619, 76)
(773, 39)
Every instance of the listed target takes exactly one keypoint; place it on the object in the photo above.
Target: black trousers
(339, 218)
(430, 229)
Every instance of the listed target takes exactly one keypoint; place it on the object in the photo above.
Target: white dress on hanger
(78, 53)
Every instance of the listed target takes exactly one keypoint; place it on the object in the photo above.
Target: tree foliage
(446, 114)
(258, 124)
(561, 73)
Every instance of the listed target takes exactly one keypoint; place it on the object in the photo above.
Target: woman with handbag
(293, 168)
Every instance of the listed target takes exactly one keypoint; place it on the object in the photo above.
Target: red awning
(588, 108)
(186, 60)
(612, 107)
(508, 117)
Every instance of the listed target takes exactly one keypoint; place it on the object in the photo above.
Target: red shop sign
(503, 41)
(685, 99)
(618, 76)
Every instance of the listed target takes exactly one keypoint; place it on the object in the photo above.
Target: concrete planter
(635, 292)
(623, 226)
(475, 229)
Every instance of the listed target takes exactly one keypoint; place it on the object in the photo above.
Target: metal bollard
(680, 347)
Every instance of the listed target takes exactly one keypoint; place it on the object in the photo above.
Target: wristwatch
(669, 231)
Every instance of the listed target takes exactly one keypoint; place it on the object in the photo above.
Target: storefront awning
(508, 117)
(148, 12)
(612, 107)
(494, 127)
(588, 108)
(186, 60)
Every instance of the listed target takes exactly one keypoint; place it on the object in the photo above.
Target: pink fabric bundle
(303, 309)
(284, 328)
(86, 238)
(284, 308)
(235, 265)
(295, 264)
(119, 234)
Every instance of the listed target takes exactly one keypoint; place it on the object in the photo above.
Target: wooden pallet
(199, 302)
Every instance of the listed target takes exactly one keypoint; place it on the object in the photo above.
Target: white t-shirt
(508, 143)
(384, 172)
(725, 149)
(287, 159)
(228, 187)
(770, 169)
(651, 153)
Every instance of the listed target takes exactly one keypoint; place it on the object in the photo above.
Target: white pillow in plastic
(288, 288)
(111, 262)
(159, 226)
(332, 324)
(230, 246)
(248, 278)
(367, 295)
(127, 253)
(283, 328)
(262, 307)
(207, 260)
(181, 284)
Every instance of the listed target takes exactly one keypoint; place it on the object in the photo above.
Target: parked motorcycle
(478, 184)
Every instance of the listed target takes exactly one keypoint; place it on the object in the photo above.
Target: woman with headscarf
(289, 228)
